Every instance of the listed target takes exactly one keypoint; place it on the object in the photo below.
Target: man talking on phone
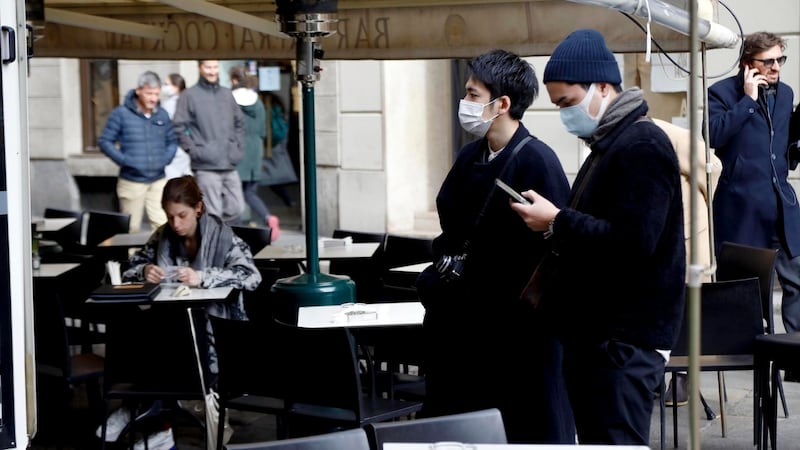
(754, 203)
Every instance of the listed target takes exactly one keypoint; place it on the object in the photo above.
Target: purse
(533, 291)
(278, 168)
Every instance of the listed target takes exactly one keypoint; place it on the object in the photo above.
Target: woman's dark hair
(238, 76)
(505, 73)
(182, 190)
(177, 80)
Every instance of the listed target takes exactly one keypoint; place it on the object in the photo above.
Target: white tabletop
(298, 252)
(195, 294)
(361, 315)
(413, 268)
(52, 224)
(460, 446)
(53, 270)
(127, 240)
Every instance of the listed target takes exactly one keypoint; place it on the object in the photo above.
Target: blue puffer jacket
(146, 144)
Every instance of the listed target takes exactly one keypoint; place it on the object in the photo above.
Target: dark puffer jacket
(146, 144)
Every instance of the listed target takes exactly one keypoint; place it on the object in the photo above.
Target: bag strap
(514, 152)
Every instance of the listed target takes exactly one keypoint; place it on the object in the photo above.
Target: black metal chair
(402, 251)
(248, 380)
(475, 427)
(59, 369)
(744, 261)
(324, 383)
(366, 274)
(256, 237)
(731, 320)
(152, 363)
(773, 352)
(354, 439)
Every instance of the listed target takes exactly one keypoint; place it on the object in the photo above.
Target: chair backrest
(101, 225)
(256, 237)
(324, 368)
(50, 332)
(70, 236)
(476, 427)
(730, 314)
(354, 439)
(366, 274)
(406, 250)
(258, 303)
(246, 353)
(736, 261)
(150, 354)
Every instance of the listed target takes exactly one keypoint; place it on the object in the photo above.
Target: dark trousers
(611, 389)
(788, 271)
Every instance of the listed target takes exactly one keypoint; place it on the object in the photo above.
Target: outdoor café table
(149, 344)
(466, 446)
(119, 245)
(53, 270)
(51, 224)
(361, 315)
(298, 252)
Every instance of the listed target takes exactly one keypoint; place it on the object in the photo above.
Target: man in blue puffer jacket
(140, 139)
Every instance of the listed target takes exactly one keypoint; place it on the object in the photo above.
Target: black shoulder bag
(451, 267)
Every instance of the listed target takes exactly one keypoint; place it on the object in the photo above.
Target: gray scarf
(627, 101)
(215, 240)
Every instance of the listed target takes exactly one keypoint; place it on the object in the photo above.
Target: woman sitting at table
(207, 254)
(206, 250)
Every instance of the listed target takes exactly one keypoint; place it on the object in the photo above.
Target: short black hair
(505, 73)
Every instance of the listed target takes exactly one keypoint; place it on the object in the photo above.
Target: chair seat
(256, 403)
(372, 410)
(779, 348)
(87, 365)
(712, 362)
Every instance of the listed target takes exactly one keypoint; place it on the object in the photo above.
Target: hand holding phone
(514, 194)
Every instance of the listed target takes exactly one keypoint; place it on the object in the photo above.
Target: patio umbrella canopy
(366, 29)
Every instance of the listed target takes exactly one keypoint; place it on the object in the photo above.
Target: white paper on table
(114, 275)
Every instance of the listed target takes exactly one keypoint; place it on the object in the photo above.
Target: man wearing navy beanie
(617, 267)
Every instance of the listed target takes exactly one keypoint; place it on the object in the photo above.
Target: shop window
(99, 96)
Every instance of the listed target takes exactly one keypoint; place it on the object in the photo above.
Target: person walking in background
(474, 318)
(210, 127)
(278, 168)
(181, 164)
(139, 138)
(613, 285)
(749, 115)
(255, 117)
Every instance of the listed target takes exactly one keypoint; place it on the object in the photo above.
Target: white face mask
(168, 90)
(470, 114)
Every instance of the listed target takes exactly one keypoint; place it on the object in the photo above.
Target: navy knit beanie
(582, 57)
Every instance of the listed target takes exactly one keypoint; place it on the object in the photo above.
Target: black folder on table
(141, 292)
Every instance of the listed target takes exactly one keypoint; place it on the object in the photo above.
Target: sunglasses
(770, 61)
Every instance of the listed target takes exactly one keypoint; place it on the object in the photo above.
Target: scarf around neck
(625, 103)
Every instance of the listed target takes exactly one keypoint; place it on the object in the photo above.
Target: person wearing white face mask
(181, 164)
(618, 261)
(474, 317)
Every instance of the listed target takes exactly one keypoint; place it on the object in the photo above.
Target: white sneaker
(115, 423)
(163, 440)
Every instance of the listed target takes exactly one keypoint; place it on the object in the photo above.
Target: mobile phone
(514, 194)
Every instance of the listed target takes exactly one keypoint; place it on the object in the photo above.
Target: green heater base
(294, 292)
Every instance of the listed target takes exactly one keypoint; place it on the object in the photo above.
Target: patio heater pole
(308, 21)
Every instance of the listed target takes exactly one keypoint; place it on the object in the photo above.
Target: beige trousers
(136, 197)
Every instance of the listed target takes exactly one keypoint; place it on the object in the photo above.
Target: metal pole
(696, 269)
(309, 152)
